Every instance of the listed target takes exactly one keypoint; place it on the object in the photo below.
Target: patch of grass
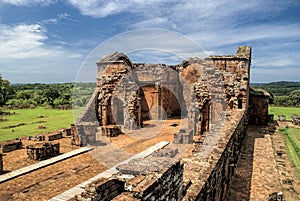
(292, 142)
(287, 111)
(52, 119)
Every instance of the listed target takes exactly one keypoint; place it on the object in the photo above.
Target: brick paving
(261, 170)
(256, 175)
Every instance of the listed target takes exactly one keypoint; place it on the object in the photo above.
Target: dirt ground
(50, 181)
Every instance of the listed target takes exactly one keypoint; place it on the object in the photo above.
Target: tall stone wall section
(258, 107)
(210, 175)
(236, 74)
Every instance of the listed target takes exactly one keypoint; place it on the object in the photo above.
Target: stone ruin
(206, 91)
(1, 163)
(281, 118)
(295, 119)
(129, 93)
(10, 145)
(41, 151)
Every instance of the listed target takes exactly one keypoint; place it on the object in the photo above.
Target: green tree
(295, 97)
(5, 90)
(51, 94)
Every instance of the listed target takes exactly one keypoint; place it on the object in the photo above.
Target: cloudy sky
(48, 40)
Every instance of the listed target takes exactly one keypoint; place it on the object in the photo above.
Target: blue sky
(48, 40)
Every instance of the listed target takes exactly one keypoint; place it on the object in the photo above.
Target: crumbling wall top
(243, 52)
(115, 57)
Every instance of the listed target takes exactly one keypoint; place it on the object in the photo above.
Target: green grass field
(52, 120)
(292, 141)
(288, 111)
(291, 135)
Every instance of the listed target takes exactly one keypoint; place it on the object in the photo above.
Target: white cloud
(23, 41)
(27, 41)
(28, 2)
(99, 8)
(57, 19)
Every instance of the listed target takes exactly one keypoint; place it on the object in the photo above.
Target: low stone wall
(183, 137)
(66, 132)
(42, 151)
(295, 119)
(102, 189)
(11, 145)
(166, 184)
(53, 136)
(86, 132)
(1, 164)
(110, 131)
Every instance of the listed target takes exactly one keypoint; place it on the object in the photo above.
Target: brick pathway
(256, 175)
(42, 164)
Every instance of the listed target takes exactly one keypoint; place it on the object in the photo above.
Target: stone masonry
(213, 93)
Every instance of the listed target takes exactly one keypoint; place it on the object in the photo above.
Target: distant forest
(59, 96)
(284, 93)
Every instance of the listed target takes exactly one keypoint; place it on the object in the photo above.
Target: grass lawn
(288, 111)
(52, 120)
(292, 142)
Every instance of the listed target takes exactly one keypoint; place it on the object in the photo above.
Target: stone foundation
(1, 164)
(166, 184)
(42, 151)
(11, 145)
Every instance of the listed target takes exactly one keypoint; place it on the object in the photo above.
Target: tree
(5, 90)
(51, 94)
(295, 97)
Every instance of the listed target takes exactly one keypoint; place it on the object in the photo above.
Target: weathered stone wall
(102, 189)
(235, 70)
(258, 107)
(196, 177)
(85, 128)
(210, 174)
(10, 145)
(166, 184)
(41, 151)
(1, 163)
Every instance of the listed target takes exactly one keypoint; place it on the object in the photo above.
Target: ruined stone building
(213, 93)
(129, 93)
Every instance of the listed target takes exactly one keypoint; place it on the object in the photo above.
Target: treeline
(284, 93)
(59, 96)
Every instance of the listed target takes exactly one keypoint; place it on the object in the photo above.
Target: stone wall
(213, 93)
(195, 177)
(210, 174)
(1, 164)
(166, 184)
(102, 189)
(258, 107)
(235, 70)
(41, 151)
(85, 128)
(10, 145)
